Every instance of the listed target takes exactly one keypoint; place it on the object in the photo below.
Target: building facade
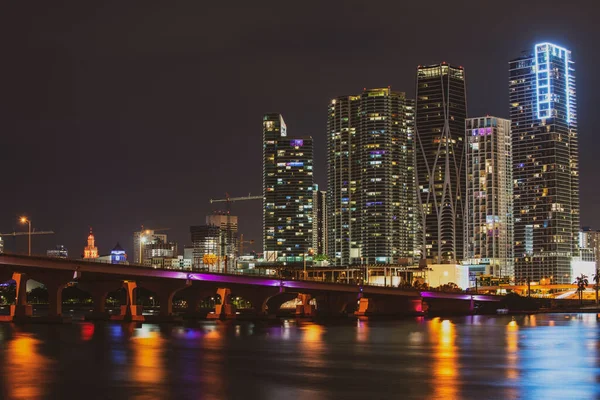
(90, 251)
(543, 112)
(440, 112)
(287, 192)
(319, 245)
(143, 238)
(228, 229)
(206, 242)
(489, 196)
(370, 202)
(59, 252)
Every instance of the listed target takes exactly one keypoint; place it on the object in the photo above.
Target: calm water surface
(530, 357)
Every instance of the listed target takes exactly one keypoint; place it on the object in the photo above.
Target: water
(530, 357)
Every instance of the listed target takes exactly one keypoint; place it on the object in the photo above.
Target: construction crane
(241, 244)
(15, 234)
(229, 238)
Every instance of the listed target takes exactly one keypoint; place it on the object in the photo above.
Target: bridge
(266, 294)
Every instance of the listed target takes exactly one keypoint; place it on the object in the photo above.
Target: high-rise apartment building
(489, 197)
(440, 112)
(370, 195)
(543, 112)
(287, 192)
(319, 221)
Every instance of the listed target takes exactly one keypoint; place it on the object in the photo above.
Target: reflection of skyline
(512, 348)
(27, 374)
(445, 361)
(148, 366)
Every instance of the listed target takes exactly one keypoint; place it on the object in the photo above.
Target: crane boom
(236, 199)
(27, 233)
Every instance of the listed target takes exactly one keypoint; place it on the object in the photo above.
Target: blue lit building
(543, 112)
(117, 255)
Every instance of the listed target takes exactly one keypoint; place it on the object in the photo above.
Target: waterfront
(537, 356)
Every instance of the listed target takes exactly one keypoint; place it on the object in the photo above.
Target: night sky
(117, 114)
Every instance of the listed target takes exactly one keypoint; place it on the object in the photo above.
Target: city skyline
(54, 121)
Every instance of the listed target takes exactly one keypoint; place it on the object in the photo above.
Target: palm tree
(581, 282)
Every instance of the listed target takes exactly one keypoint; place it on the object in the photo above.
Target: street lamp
(143, 240)
(25, 220)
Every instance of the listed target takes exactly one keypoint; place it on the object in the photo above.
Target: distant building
(118, 255)
(206, 242)
(287, 192)
(188, 253)
(59, 252)
(543, 113)
(143, 238)
(228, 227)
(170, 263)
(157, 248)
(1, 245)
(489, 197)
(90, 251)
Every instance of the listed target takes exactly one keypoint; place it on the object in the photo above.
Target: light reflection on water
(538, 357)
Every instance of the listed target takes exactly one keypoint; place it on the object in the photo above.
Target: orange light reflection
(445, 366)
(28, 372)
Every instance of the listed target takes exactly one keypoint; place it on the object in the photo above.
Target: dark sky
(117, 114)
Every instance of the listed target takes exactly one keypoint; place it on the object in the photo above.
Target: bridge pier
(130, 311)
(305, 309)
(20, 309)
(225, 310)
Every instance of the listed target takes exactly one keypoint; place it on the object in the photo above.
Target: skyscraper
(287, 192)
(440, 112)
(319, 221)
(543, 112)
(370, 178)
(489, 197)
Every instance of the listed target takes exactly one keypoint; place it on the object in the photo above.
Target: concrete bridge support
(305, 309)
(225, 310)
(130, 311)
(20, 309)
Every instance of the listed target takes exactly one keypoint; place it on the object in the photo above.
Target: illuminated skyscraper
(489, 197)
(90, 251)
(440, 112)
(287, 192)
(319, 221)
(543, 112)
(370, 178)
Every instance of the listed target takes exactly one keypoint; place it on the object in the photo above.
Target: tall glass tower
(287, 192)
(489, 197)
(370, 178)
(441, 109)
(543, 111)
